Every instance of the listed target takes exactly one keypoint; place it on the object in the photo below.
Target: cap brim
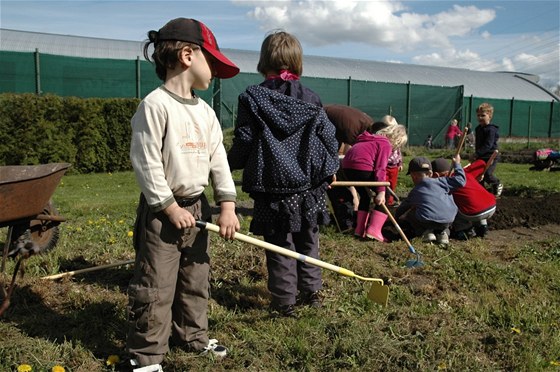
(225, 68)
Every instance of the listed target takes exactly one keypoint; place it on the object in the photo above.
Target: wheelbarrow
(28, 212)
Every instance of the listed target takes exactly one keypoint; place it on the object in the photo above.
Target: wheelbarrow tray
(25, 190)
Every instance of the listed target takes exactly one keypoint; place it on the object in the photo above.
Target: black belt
(187, 202)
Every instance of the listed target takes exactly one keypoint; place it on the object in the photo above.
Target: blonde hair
(396, 134)
(280, 51)
(486, 108)
(389, 120)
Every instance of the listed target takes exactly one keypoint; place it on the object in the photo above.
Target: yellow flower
(58, 369)
(112, 360)
(121, 221)
(555, 363)
(130, 234)
(24, 368)
(516, 330)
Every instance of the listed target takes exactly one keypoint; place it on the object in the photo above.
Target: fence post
(550, 119)
(529, 127)
(511, 110)
(408, 88)
(37, 72)
(138, 77)
(349, 98)
(217, 98)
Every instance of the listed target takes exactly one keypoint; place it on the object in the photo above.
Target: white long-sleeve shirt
(176, 147)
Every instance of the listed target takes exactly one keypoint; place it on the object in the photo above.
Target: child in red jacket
(476, 205)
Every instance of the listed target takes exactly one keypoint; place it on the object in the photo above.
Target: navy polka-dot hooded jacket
(285, 145)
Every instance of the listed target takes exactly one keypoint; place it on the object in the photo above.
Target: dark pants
(358, 175)
(169, 291)
(287, 275)
(489, 177)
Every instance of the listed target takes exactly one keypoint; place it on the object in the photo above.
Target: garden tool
(87, 270)
(410, 263)
(461, 143)
(488, 164)
(379, 292)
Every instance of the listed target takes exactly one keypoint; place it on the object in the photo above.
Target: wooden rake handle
(488, 164)
(401, 232)
(286, 252)
(87, 270)
(460, 147)
(360, 183)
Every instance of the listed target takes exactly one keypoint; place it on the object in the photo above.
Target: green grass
(472, 307)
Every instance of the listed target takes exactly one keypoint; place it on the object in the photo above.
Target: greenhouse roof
(482, 84)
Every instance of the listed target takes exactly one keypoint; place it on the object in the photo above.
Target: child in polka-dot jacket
(288, 150)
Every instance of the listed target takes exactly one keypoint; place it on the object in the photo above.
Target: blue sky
(482, 35)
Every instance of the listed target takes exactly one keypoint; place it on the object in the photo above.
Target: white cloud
(386, 24)
(389, 30)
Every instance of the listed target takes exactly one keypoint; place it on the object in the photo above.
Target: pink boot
(375, 223)
(361, 221)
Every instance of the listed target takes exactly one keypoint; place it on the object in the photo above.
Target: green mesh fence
(425, 110)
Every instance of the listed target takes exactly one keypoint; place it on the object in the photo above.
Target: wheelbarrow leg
(6, 248)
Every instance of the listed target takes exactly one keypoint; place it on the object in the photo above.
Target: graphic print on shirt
(192, 142)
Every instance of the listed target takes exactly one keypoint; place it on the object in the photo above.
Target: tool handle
(360, 183)
(488, 164)
(87, 270)
(460, 147)
(402, 234)
(285, 252)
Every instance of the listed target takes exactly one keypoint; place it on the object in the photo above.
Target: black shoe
(481, 230)
(312, 299)
(463, 234)
(288, 311)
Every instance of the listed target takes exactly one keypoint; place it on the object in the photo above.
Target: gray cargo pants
(169, 292)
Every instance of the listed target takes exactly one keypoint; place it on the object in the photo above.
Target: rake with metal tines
(378, 293)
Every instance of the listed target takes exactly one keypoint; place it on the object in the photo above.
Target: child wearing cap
(429, 207)
(176, 147)
(476, 205)
(287, 147)
(367, 161)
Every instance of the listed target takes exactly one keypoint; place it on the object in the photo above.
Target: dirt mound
(525, 211)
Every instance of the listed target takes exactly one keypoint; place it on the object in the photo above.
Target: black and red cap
(196, 32)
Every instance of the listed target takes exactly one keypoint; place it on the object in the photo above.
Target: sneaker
(288, 311)
(214, 348)
(132, 365)
(428, 236)
(498, 189)
(312, 299)
(481, 230)
(150, 368)
(442, 238)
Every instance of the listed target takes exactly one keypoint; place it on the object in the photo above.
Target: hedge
(93, 134)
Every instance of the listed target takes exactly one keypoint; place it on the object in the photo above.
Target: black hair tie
(153, 36)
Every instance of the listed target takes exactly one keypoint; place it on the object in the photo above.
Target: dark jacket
(486, 140)
(285, 145)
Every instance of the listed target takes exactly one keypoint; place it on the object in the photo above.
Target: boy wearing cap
(475, 204)
(176, 147)
(429, 207)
